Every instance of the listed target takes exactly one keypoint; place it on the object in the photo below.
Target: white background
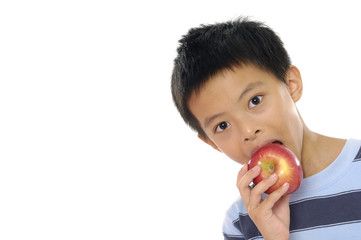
(91, 146)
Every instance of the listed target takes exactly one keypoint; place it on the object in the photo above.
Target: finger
(271, 199)
(260, 188)
(241, 173)
(244, 179)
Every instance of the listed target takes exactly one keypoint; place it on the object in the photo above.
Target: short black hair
(209, 49)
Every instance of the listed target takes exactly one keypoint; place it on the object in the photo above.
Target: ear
(294, 83)
(209, 142)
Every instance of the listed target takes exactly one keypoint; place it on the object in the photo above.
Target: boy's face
(244, 109)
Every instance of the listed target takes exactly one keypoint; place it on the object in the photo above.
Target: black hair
(209, 49)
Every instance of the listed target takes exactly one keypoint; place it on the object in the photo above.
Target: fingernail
(274, 175)
(245, 167)
(285, 185)
(255, 168)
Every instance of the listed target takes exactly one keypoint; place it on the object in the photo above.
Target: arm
(272, 214)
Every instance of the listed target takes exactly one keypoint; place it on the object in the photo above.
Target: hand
(272, 214)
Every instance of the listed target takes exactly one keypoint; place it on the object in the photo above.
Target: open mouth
(278, 142)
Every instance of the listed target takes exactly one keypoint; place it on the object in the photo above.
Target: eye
(221, 127)
(255, 101)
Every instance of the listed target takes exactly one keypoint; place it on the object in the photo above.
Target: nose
(252, 135)
(250, 131)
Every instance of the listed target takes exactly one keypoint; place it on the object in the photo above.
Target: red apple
(276, 158)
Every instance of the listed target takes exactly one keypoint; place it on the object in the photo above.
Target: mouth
(278, 142)
(262, 145)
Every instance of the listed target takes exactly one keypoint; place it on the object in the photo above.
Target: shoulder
(237, 224)
(230, 226)
(354, 147)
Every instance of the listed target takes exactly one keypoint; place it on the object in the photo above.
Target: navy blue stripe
(335, 210)
(326, 211)
(326, 196)
(246, 226)
(358, 156)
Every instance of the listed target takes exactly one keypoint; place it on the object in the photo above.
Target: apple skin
(276, 158)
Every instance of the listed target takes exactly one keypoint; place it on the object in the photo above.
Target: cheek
(283, 117)
(284, 110)
(289, 125)
(232, 149)
(235, 152)
(289, 121)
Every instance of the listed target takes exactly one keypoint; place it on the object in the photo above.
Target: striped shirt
(326, 206)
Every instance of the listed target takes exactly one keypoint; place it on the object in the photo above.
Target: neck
(318, 151)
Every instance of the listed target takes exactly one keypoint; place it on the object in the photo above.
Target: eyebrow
(249, 87)
(210, 119)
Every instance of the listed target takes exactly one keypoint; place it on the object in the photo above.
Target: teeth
(278, 142)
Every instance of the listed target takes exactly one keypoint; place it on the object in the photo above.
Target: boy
(234, 84)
